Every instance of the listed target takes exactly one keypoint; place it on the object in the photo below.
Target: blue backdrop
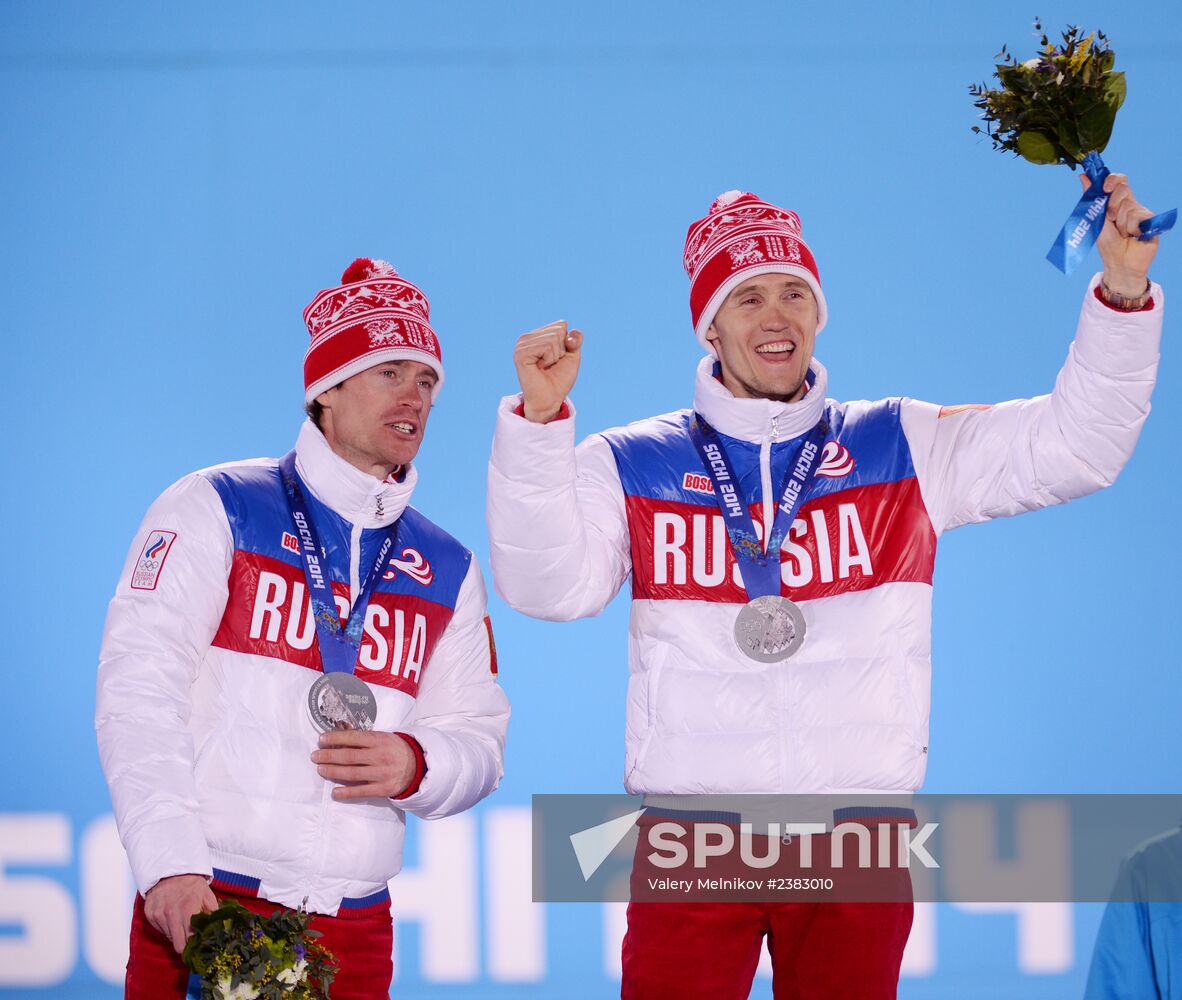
(178, 180)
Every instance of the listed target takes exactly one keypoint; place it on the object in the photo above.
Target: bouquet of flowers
(240, 955)
(1058, 106)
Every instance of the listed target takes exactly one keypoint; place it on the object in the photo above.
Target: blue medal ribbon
(759, 565)
(1083, 225)
(338, 646)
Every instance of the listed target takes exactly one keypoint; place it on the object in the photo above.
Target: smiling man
(780, 546)
(761, 359)
(295, 658)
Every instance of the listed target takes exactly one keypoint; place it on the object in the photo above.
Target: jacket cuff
(420, 767)
(531, 455)
(1117, 343)
(562, 414)
(173, 846)
(1148, 307)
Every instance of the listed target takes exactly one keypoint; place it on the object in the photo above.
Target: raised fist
(547, 361)
(1126, 258)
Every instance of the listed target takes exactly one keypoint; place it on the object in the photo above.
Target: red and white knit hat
(371, 317)
(743, 236)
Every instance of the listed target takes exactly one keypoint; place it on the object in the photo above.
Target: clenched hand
(1126, 258)
(547, 361)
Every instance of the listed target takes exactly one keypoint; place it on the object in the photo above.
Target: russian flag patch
(148, 567)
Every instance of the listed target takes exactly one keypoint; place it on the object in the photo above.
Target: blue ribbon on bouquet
(1083, 225)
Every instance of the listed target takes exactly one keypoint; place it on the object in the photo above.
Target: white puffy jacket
(208, 655)
(848, 713)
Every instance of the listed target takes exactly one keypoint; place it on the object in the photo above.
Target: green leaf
(1115, 89)
(1095, 127)
(1013, 78)
(189, 955)
(1037, 148)
(1068, 141)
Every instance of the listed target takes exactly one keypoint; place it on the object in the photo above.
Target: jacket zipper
(770, 503)
(765, 480)
(354, 585)
(326, 796)
(354, 563)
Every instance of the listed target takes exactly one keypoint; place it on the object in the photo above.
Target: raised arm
(976, 463)
(557, 528)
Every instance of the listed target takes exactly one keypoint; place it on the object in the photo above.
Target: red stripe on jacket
(268, 614)
(851, 540)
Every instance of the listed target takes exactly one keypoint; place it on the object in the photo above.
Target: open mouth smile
(779, 347)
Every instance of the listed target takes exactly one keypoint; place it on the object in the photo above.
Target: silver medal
(341, 701)
(769, 629)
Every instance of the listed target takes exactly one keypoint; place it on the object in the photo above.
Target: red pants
(362, 948)
(820, 951)
(825, 945)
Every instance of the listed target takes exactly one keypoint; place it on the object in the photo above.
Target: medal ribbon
(759, 566)
(1083, 225)
(338, 646)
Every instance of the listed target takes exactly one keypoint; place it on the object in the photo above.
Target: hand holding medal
(365, 764)
(1060, 107)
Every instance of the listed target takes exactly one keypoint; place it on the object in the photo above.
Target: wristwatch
(1125, 302)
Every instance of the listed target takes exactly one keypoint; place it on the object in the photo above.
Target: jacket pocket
(651, 691)
(917, 722)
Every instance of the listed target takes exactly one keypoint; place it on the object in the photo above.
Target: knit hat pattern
(373, 316)
(743, 236)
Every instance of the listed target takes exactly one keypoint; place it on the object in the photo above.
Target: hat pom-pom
(728, 198)
(364, 268)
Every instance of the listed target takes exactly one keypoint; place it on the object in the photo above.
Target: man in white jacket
(294, 658)
(799, 664)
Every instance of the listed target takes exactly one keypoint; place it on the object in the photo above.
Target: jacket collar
(357, 496)
(757, 419)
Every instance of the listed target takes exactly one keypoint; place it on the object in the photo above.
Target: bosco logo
(697, 482)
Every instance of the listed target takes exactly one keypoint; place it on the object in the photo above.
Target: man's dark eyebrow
(788, 280)
(403, 362)
(427, 371)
